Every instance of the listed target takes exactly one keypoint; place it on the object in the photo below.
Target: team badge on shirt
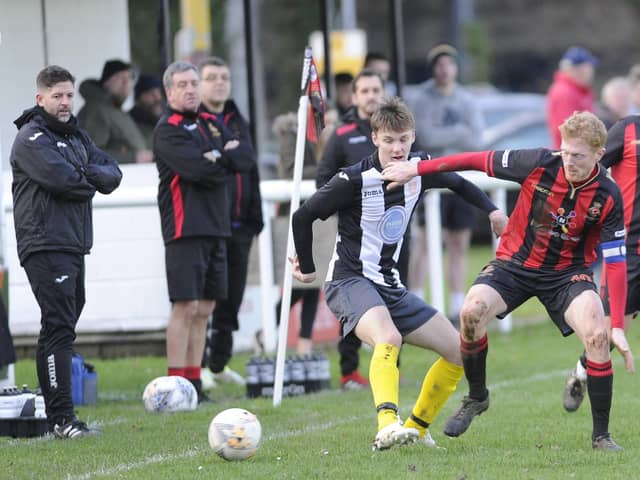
(214, 131)
(594, 211)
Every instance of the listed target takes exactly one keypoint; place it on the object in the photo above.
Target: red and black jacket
(243, 188)
(192, 194)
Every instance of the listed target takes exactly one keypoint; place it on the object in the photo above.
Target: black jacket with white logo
(192, 195)
(56, 171)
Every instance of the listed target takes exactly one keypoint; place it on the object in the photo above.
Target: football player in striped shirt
(566, 207)
(363, 286)
(622, 155)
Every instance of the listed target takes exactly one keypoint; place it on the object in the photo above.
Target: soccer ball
(170, 394)
(234, 434)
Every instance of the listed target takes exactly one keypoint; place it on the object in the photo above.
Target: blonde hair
(585, 126)
(392, 115)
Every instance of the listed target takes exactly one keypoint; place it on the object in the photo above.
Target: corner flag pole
(295, 203)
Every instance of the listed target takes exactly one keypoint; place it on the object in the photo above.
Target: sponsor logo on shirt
(562, 219)
(35, 136)
(619, 233)
(343, 175)
(372, 192)
(62, 144)
(360, 139)
(192, 126)
(541, 189)
(392, 224)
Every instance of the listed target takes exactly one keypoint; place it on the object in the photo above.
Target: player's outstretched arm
(399, 173)
(616, 274)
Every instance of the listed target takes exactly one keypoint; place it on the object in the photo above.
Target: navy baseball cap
(578, 55)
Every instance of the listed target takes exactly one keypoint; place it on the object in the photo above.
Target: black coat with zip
(192, 194)
(243, 188)
(57, 170)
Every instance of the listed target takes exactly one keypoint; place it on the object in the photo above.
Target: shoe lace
(606, 441)
(464, 410)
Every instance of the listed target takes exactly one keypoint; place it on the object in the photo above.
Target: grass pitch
(525, 434)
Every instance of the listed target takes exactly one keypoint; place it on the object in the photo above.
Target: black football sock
(474, 360)
(600, 388)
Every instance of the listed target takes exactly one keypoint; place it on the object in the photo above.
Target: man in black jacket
(194, 154)
(57, 170)
(245, 208)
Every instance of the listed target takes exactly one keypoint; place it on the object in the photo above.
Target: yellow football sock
(438, 385)
(384, 378)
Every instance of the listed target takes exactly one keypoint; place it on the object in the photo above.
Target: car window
(531, 136)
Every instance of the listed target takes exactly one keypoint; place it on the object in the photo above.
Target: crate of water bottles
(302, 375)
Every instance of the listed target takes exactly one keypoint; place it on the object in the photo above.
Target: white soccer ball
(235, 434)
(170, 394)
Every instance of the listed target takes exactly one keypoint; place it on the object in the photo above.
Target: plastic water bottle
(267, 373)
(311, 373)
(77, 374)
(253, 377)
(89, 385)
(324, 371)
(298, 375)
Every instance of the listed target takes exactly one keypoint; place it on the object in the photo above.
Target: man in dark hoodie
(57, 170)
(195, 154)
(243, 189)
(149, 105)
(102, 116)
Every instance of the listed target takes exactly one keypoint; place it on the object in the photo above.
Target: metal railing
(140, 190)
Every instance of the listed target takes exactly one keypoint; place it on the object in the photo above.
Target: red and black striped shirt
(622, 155)
(555, 225)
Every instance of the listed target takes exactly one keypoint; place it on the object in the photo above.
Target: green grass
(479, 256)
(524, 435)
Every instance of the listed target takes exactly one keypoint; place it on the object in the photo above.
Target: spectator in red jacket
(571, 89)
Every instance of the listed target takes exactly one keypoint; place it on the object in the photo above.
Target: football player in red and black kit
(622, 155)
(566, 207)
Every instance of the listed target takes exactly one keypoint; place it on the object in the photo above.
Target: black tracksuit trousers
(57, 281)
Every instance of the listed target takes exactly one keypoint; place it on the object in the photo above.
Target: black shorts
(633, 288)
(455, 213)
(197, 268)
(555, 290)
(350, 298)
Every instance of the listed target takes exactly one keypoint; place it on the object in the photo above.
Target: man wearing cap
(571, 89)
(102, 116)
(447, 121)
(149, 105)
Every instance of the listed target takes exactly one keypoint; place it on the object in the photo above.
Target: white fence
(125, 276)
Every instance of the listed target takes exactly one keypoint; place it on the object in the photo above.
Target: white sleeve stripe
(613, 252)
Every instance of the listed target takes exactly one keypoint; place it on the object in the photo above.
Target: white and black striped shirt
(371, 219)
